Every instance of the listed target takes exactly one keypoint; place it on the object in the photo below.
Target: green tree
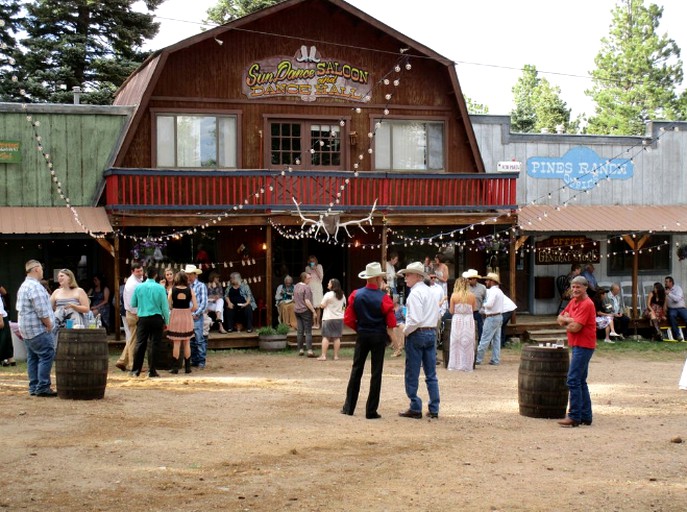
(637, 71)
(227, 10)
(86, 43)
(10, 24)
(538, 105)
(476, 108)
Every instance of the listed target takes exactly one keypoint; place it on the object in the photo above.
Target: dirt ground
(263, 432)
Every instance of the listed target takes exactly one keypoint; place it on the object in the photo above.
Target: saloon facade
(277, 135)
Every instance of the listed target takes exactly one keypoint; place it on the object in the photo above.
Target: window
(196, 141)
(305, 144)
(654, 258)
(409, 145)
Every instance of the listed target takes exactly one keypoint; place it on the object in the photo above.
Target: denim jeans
(491, 333)
(580, 402)
(199, 345)
(505, 318)
(479, 323)
(421, 352)
(673, 314)
(40, 352)
(304, 322)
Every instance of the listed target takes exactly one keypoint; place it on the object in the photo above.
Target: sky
(490, 40)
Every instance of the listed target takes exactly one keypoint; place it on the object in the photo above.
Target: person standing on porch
(126, 359)
(199, 343)
(579, 320)
(421, 333)
(316, 273)
(675, 304)
(588, 274)
(370, 313)
(391, 272)
(493, 319)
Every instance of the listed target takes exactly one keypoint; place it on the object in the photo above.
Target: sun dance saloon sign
(307, 75)
(580, 168)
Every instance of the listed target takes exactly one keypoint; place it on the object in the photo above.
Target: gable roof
(139, 85)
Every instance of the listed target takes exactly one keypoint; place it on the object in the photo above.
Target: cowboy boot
(176, 364)
(187, 363)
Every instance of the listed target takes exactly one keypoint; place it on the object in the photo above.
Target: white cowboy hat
(471, 273)
(192, 269)
(414, 268)
(373, 269)
(492, 276)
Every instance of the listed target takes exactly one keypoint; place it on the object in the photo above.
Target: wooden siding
(207, 77)
(80, 145)
(135, 189)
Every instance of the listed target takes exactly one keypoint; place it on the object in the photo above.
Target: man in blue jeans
(36, 321)
(675, 302)
(199, 344)
(421, 335)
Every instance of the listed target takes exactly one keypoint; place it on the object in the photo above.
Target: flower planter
(272, 343)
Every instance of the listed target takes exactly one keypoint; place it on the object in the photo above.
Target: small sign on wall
(10, 152)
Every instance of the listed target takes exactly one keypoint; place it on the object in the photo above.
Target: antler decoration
(319, 224)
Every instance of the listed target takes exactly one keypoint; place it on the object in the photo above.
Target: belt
(491, 314)
(426, 329)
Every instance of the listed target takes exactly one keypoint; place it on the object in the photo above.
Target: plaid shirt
(33, 304)
(201, 292)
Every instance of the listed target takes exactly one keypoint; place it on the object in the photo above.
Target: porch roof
(29, 220)
(535, 219)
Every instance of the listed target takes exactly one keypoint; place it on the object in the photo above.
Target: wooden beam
(270, 272)
(106, 245)
(384, 242)
(635, 245)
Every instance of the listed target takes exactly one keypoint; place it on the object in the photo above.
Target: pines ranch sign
(307, 75)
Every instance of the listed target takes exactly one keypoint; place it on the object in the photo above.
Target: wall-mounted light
(264, 246)
(353, 138)
(219, 41)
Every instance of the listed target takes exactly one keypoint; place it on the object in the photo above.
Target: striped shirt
(33, 304)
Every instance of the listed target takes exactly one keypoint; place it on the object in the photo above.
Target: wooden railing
(263, 190)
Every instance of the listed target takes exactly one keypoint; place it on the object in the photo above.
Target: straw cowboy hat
(471, 273)
(492, 276)
(192, 269)
(414, 268)
(373, 269)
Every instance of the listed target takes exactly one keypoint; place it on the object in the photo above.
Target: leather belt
(426, 329)
(491, 314)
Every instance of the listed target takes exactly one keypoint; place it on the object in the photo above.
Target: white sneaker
(609, 341)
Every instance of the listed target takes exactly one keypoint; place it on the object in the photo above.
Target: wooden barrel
(542, 387)
(81, 363)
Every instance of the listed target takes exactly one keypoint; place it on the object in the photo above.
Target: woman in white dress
(462, 353)
(316, 275)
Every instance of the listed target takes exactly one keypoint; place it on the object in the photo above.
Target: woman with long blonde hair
(462, 352)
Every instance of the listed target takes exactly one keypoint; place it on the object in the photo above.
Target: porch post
(269, 300)
(635, 245)
(117, 311)
(383, 262)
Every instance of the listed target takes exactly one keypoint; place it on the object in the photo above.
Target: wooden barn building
(259, 139)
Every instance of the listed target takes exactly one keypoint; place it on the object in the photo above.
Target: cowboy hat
(192, 269)
(414, 268)
(471, 273)
(373, 269)
(492, 276)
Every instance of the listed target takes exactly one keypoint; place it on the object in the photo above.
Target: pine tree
(538, 105)
(637, 71)
(227, 10)
(10, 23)
(85, 43)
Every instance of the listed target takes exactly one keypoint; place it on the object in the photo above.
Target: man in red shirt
(579, 320)
(370, 312)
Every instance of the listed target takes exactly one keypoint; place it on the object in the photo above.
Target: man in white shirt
(509, 308)
(126, 359)
(493, 319)
(421, 333)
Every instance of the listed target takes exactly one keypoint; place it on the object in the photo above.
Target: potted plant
(271, 338)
